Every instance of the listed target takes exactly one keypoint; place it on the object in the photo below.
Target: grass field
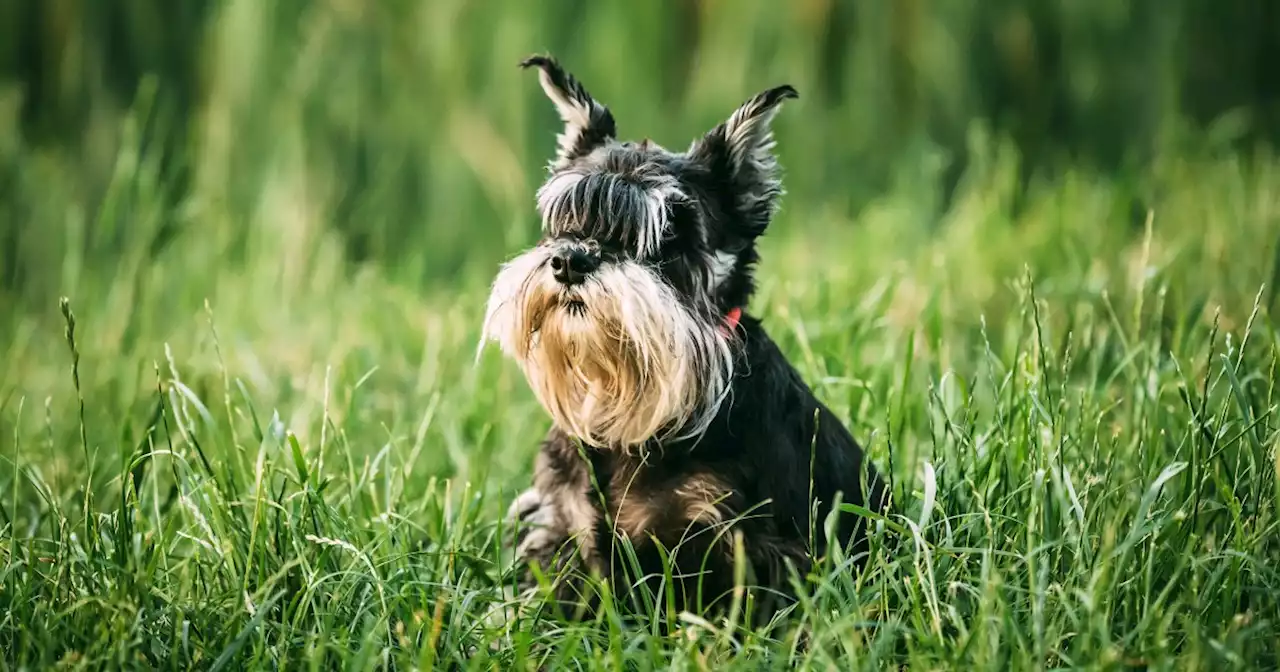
(256, 436)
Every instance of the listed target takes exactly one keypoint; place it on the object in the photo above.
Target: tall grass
(253, 435)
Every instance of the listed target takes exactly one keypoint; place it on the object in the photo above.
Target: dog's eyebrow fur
(627, 208)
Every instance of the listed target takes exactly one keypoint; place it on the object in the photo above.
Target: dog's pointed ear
(739, 153)
(587, 123)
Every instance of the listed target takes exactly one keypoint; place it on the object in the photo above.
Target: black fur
(772, 449)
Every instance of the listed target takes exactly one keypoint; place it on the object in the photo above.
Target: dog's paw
(540, 529)
(539, 534)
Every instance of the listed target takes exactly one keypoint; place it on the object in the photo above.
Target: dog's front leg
(542, 535)
(556, 525)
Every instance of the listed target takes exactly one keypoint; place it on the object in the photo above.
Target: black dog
(677, 421)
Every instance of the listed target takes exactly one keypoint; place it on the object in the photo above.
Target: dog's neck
(728, 426)
(730, 327)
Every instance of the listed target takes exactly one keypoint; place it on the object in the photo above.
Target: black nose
(572, 266)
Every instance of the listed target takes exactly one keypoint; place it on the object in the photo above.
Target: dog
(680, 432)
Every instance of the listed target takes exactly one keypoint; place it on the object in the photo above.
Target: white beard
(617, 360)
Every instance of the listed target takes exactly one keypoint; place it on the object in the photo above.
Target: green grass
(310, 472)
(262, 445)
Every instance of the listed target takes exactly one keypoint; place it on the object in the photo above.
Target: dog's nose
(572, 266)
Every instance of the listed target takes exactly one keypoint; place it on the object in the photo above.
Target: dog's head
(621, 315)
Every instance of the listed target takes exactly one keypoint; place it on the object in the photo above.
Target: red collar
(731, 320)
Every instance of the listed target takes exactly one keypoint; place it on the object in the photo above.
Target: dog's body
(677, 421)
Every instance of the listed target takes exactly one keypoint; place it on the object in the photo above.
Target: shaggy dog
(680, 431)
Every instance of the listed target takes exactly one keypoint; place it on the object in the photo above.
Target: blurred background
(417, 141)
(340, 178)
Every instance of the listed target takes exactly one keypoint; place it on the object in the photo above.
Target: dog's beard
(617, 360)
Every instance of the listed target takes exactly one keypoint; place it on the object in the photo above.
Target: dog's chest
(664, 501)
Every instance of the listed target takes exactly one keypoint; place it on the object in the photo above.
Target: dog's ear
(739, 155)
(587, 123)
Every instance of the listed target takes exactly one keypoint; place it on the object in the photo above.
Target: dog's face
(617, 316)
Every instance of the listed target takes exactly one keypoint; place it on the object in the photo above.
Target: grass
(1086, 464)
(246, 441)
